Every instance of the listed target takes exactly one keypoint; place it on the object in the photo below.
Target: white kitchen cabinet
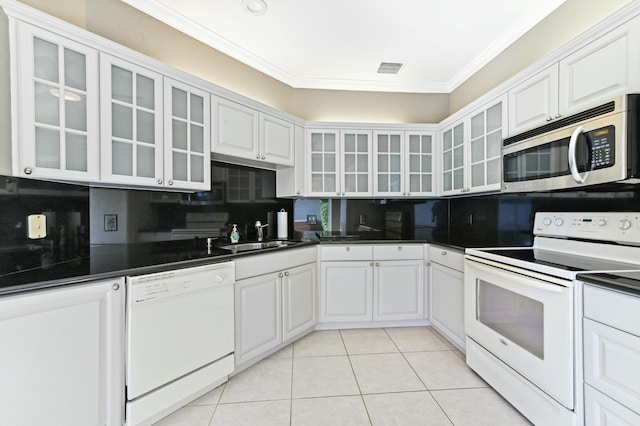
(187, 129)
(355, 163)
(596, 72)
(244, 132)
(323, 162)
(276, 302)
(388, 164)
(611, 339)
(364, 283)
(291, 181)
(62, 357)
(471, 150)
(446, 293)
(132, 145)
(55, 107)
(420, 157)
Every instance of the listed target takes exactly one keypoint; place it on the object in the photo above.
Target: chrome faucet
(259, 227)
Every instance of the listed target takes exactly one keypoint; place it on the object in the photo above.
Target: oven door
(526, 320)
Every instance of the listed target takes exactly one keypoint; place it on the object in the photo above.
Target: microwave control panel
(602, 143)
(622, 227)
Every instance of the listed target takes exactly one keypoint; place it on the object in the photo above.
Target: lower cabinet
(446, 294)
(62, 356)
(275, 303)
(363, 283)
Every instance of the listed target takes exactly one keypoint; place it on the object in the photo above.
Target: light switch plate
(36, 226)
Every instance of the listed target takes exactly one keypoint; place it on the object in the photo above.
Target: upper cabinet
(602, 69)
(244, 132)
(471, 150)
(187, 154)
(131, 122)
(355, 163)
(323, 162)
(56, 106)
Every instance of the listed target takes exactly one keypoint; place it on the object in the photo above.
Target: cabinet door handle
(170, 182)
(280, 275)
(444, 253)
(159, 181)
(258, 157)
(286, 274)
(28, 170)
(427, 263)
(116, 287)
(399, 247)
(371, 264)
(377, 264)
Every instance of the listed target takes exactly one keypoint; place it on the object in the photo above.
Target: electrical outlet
(36, 226)
(363, 219)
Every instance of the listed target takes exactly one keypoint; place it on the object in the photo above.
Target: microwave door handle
(573, 166)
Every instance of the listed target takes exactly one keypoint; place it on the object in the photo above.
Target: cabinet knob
(28, 170)
(280, 275)
(116, 287)
(444, 253)
(371, 264)
(258, 157)
(399, 247)
(298, 193)
(170, 182)
(286, 274)
(348, 248)
(549, 118)
(558, 115)
(377, 264)
(263, 157)
(427, 263)
(159, 181)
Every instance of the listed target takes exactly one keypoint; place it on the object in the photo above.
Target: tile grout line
(355, 377)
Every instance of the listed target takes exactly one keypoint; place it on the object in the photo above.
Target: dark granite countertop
(628, 282)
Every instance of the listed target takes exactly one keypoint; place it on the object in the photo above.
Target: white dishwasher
(180, 338)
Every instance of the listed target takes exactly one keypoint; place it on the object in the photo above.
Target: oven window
(512, 315)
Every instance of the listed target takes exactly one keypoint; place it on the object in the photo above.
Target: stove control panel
(622, 227)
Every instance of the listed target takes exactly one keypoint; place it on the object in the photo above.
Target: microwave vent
(566, 121)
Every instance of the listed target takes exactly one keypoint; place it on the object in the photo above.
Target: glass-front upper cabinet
(187, 144)
(453, 172)
(357, 178)
(131, 123)
(388, 163)
(57, 101)
(486, 133)
(323, 162)
(419, 163)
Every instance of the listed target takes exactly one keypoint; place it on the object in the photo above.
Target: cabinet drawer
(599, 410)
(450, 258)
(611, 359)
(599, 303)
(398, 252)
(346, 252)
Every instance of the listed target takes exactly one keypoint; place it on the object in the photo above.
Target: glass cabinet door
(132, 144)
(323, 159)
(389, 170)
(58, 106)
(187, 130)
(486, 141)
(419, 163)
(453, 159)
(356, 173)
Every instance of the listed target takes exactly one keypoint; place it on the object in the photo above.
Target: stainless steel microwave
(597, 146)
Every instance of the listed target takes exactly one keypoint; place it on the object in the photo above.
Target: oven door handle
(544, 283)
(573, 163)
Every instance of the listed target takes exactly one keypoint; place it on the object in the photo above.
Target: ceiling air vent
(389, 68)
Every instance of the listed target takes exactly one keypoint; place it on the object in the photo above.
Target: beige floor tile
(368, 341)
(272, 413)
(210, 398)
(443, 370)
(267, 380)
(284, 353)
(478, 407)
(378, 373)
(320, 343)
(189, 416)
(332, 411)
(405, 408)
(415, 339)
(323, 376)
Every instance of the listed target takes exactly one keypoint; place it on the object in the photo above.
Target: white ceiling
(339, 44)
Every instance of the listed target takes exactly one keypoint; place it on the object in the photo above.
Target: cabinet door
(486, 133)
(357, 179)
(236, 130)
(290, 181)
(62, 357)
(398, 290)
(187, 154)
(299, 300)
(600, 410)
(323, 162)
(453, 165)
(447, 300)
(346, 291)
(601, 70)
(258, 316)
(57, 102)
(132, 144)
(388, 167)
(419, 164)
(534, 101)
(277, 140)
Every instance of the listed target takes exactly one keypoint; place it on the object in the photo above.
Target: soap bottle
(235, 237)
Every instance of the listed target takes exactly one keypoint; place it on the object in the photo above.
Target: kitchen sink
(256, 246)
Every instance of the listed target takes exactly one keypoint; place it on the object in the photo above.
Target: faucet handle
(258, 224)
